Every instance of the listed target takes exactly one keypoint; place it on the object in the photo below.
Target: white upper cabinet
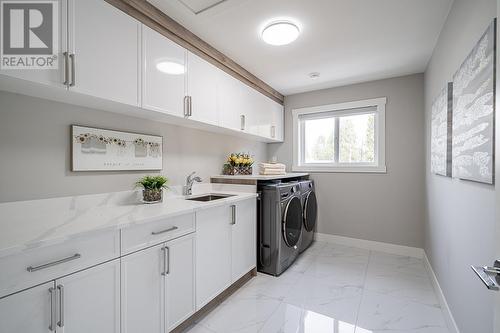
(163, 73)
(277, 121)
(229, 101)
(105, 53)
(202, 89)
(104, 50)
(51, 77)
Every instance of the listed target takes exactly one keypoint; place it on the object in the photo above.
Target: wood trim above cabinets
(154, 18)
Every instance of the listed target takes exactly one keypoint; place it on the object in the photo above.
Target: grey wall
(380, 207)
(461, 215)
(35, 146)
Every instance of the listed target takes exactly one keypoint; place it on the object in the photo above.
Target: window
(346, 137)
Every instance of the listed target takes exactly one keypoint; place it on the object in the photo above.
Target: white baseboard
(372, 245)
(448, 316)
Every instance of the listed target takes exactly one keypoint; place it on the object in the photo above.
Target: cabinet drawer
(148, 234)
(38, 265)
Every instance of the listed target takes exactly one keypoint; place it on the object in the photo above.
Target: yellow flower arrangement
(238, 163)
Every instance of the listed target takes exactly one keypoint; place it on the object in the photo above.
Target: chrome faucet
(188, 188)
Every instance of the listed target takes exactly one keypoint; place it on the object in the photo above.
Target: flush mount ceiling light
(170, 67)
(280, 33)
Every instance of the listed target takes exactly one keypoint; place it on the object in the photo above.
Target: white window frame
(340, 109)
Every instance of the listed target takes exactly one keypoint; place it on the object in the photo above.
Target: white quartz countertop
(262, 177)
(35, 223)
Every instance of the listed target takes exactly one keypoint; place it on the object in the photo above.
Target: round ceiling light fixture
(280, 33)
(170, 67)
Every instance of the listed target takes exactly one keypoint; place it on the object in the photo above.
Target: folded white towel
(269, 172)
(278, 166)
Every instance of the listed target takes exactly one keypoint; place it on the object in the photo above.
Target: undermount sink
(210, 197)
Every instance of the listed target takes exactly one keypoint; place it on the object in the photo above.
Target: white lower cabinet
(158, 286)
(213, 253)
(151, 290)
(180, 287)
(225, 247)
(87, 301)
(243, 239)
(28, 311)
(143, 287)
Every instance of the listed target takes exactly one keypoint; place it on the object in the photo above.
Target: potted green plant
(152, 188)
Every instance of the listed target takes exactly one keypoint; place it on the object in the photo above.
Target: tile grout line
(363, 291)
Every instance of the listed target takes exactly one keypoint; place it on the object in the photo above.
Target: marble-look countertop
(262, 177)
(31, 224)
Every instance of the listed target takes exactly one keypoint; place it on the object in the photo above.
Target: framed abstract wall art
(95, 149)
(441, 132)
(474, 112)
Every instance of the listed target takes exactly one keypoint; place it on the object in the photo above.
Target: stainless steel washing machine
(309, 213)
(279, 227)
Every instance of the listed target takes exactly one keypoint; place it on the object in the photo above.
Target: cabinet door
(277, 122)
(243, 241)
(164, 73)
(105, 44)
(213, 256)
(229, 101)
(142, 290)
(28, 311)
(251, 106)
(202, 87)
(52, 77)
(89, 301)
(179, 297)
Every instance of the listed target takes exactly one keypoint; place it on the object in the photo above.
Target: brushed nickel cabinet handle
(233, 214)
(273, 131)
(242, 122)
(165, 258)
(186, 106)
(154, 233)
(60, 289)
(54, 263)
(168, 260)
(52, 325)
(72, 57)
(66, 68)
(190, 109)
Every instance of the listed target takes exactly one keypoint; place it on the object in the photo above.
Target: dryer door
(292, 222)
(310, 211)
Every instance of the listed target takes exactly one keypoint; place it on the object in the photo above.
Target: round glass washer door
(310, 211)
(292, 222)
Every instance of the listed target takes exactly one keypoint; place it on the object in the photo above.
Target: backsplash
(36, 147)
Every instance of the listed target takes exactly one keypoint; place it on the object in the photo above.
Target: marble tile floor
(335, 289)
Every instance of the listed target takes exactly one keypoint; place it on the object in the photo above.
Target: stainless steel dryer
(280, 226)
(310, 213)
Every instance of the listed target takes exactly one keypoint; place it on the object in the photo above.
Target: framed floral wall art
(96, 149)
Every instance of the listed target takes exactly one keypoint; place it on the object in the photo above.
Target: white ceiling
(347, 41)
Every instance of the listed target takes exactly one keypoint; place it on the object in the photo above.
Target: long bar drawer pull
(53, 263)
(60, 288)
(52, 326)
(154, 233)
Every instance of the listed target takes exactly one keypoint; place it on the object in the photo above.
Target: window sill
(340, 169)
